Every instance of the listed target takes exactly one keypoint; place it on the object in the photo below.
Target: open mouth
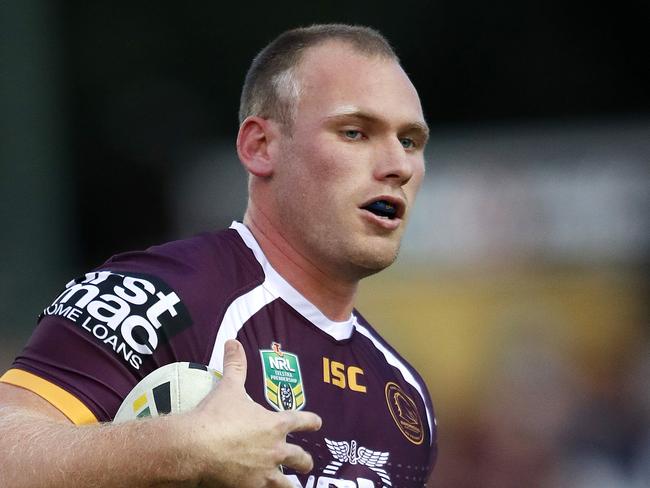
(384, 209)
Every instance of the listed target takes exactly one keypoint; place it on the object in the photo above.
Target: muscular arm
(227, 441)
(40, 447)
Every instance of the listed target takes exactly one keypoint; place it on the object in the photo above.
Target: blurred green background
(521, 292)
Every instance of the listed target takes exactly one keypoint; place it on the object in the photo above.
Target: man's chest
(375, 429)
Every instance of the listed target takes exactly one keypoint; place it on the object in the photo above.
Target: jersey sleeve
(103, 333)
(108, 329)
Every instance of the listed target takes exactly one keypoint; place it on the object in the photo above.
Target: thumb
(234, 363)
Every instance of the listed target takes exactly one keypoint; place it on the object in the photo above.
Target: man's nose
(394, 165)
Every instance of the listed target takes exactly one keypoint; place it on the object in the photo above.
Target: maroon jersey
(181, 301)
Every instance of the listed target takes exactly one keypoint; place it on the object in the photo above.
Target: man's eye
(407, 143)
(352, 134)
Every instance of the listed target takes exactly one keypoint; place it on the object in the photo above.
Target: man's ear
(254, 145)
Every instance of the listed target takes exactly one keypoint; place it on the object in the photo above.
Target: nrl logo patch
(282, 380)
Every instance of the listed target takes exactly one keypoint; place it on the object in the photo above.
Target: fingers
(278, 480)
(300, 421)
(234, 363)
(298, 459)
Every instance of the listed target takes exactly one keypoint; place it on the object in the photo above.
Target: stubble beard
(368, 262)
(348, 256)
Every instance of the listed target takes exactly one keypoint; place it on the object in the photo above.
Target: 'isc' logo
(338, 374)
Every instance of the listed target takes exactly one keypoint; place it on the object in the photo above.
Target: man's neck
(333, 297)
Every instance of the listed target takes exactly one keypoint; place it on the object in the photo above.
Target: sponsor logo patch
(282, 380)
(347, 452)
(129, 313)
(351, 467)
(405, 413)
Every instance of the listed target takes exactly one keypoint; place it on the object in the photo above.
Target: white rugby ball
(173, 388)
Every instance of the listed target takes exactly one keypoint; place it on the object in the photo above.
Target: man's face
(348, 172)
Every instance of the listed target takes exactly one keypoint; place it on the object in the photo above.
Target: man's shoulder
(203, 272)
(219, 257)
(387, 350)
(137, 311)
(366, 329)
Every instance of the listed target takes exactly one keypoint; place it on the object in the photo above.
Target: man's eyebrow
(421, 128)
(353, 112)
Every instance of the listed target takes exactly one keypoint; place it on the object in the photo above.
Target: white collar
(280, 287)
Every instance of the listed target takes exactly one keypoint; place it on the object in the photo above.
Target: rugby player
(332, 135)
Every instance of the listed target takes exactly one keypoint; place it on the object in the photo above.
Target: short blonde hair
(272, 89)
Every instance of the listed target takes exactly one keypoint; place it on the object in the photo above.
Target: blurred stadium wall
(38, 242)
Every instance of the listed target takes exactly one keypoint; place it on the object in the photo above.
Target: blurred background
(521, 293)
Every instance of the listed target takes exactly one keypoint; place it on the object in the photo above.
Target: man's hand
(226, 442)
(243, 442)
